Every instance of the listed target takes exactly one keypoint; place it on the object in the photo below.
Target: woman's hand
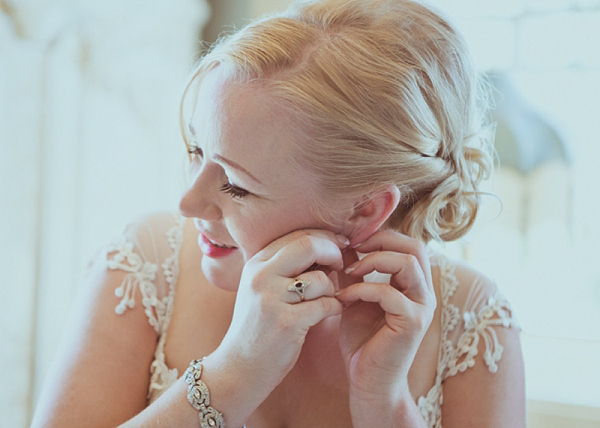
(270, 323)
(383, 324)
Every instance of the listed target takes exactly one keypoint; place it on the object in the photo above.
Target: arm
(398, 412)
(104, 375)
(101, 373)
(478, 398)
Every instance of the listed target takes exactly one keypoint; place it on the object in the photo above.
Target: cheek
(253, 233)
(256, 235)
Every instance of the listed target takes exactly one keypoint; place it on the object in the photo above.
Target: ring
(298, 286)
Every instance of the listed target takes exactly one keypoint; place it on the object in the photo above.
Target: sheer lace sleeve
(477, 309)
(472, 309)
(146, 250)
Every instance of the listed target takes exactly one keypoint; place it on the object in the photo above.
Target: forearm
(171, 409)
(385, 413)
(235, 396)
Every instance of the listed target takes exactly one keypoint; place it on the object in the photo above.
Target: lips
(213, 250)
(212, 247)
(218, 244)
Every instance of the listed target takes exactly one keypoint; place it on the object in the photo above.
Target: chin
(221, 274)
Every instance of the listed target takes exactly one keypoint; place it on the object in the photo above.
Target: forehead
(243, 123)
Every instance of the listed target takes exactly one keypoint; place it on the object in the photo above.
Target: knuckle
(421, 320)
(305, 242)
(412, 261)
(420, 247)
(326, 305)
(389, 292)
(285, 321)
(321, 277)
(259, 277)
(298, 234)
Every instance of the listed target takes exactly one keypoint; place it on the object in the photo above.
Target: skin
(363, 348)
(276, 242)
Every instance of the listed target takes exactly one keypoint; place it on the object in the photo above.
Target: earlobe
(372, 212)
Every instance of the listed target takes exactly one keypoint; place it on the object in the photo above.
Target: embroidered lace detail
(161, 376)
(495, 313)
(141, 274)
(451, 359)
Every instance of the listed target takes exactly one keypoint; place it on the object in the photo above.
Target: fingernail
(337, 293)
(351, 268)
(357, 245)
(342, 239)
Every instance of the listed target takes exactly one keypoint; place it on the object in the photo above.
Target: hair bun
(447, 211)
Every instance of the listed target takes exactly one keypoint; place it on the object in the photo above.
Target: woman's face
(245, 191)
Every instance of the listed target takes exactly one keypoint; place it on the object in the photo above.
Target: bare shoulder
(478, 397)
(107, 351)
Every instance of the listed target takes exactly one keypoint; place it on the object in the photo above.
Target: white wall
(88, 139)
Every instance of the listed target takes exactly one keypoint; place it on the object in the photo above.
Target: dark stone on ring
(298, 286)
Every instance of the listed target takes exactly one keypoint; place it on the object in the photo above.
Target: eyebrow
(236, 166)
(226, 161)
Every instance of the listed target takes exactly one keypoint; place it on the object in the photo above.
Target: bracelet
(199, 397)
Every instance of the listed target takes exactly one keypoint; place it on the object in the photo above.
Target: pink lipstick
(212, 249)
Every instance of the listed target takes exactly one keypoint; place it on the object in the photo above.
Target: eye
(234, 191)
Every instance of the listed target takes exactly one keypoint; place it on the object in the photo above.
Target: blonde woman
(328, 145)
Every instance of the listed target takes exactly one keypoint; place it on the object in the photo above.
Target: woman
(327, 146)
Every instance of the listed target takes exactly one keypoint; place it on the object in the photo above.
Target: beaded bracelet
(199, 397)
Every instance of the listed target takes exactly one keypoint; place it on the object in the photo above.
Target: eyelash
(234, 191)
(231, 189)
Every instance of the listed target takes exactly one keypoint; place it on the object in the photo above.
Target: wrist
(234, 391)
(381, 392)
(392, 409)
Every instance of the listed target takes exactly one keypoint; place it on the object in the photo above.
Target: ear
(370, 213)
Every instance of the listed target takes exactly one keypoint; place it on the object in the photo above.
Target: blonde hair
(386, 94)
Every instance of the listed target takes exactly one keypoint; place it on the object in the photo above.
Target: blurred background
(89, 140)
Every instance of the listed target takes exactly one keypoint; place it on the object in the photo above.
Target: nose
(199, 200)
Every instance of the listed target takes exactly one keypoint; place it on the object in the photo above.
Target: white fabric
(471, 305)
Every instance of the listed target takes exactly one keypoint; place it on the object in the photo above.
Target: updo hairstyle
(385, 93)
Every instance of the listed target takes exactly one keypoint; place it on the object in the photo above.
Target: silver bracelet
(199, 397)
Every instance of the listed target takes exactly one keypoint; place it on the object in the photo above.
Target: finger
(390, 299)
(407, 274)
(315, 311)
(305, 251)
(394, 241)
(349, 257)
(319, 285)
(271, 249)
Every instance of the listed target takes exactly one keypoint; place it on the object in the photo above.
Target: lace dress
(472, 307)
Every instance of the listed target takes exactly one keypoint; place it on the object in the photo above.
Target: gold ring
(298, 286)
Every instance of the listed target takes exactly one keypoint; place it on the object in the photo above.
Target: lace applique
(141, 274)
(430, 406)
(496, 312)
(161, 376)
(451, 360)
